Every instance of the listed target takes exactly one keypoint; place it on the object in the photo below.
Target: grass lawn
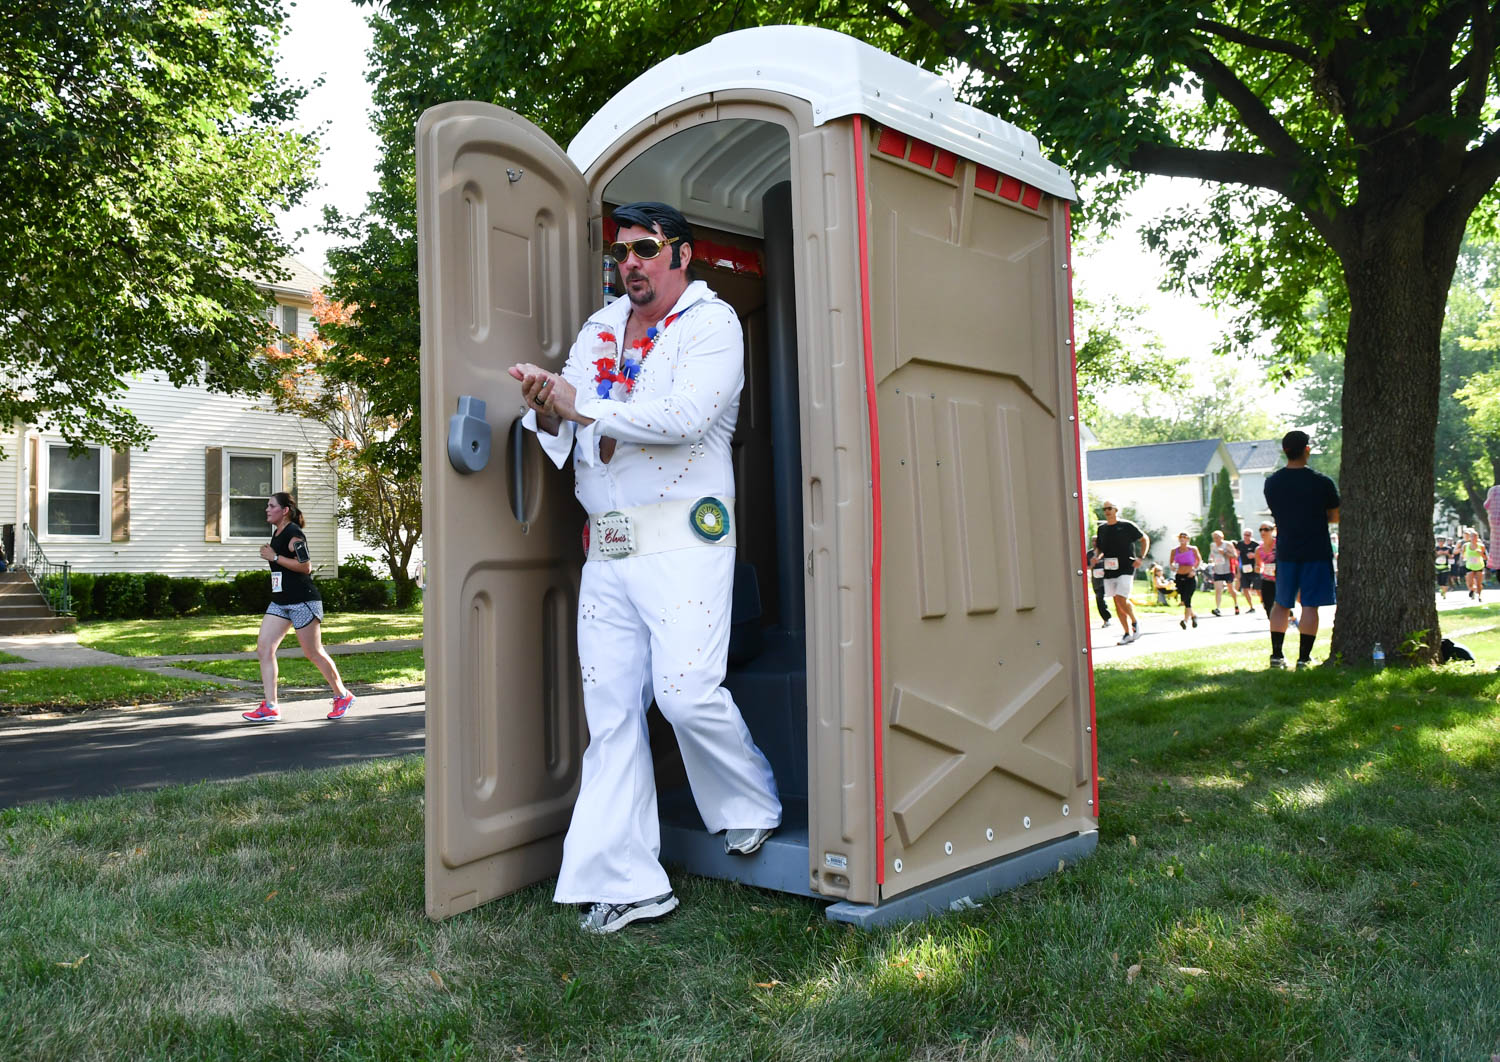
(10, 658)
(235, 634)
(1291, 865)
(92, 687)
(402, 668)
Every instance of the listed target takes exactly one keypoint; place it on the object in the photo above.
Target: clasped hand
(548, 393)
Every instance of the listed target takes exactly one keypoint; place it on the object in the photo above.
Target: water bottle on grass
(1377, 657)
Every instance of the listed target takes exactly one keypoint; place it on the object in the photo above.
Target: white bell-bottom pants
(658, 626)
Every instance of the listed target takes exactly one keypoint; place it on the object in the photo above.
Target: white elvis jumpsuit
(656, 624)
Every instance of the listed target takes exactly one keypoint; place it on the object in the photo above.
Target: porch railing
(52, 578)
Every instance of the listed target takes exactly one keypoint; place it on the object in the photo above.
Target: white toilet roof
(839, 76)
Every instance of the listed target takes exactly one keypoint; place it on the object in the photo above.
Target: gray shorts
(299, 613)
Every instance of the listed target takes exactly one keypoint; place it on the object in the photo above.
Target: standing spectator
(1474, 559)
(1096, 574)
(1185, 560)
(1249, 576)
(1443, 561)
(1116, 539)
(1304, 503)
(1265, 562)
(1221, 555)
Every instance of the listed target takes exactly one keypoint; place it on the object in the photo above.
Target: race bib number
(1111, 564)
(1098, 573)
(275, 582)
(1268, 569)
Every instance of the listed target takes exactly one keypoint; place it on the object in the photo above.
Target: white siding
(1251, 506)
(167, 485)
(12, 488)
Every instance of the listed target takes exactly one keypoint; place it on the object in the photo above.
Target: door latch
(468, 436)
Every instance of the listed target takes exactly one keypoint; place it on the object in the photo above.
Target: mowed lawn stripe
(190, 635)
(401, 668)
(106, 686)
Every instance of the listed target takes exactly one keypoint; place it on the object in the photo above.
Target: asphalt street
(67, 757)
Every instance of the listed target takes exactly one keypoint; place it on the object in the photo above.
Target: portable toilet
(911, 645)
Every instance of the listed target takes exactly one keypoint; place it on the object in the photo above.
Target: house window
(251, 482)
(288, 328)
(75, 493)
(1208, 490)
(1234, 488)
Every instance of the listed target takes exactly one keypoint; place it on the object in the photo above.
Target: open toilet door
(504, 277)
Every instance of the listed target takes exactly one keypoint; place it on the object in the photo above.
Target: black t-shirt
(1117, 541)
(294, 587)
(1300, 499)
(1247, 555)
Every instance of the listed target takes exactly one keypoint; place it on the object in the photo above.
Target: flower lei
(614, 370)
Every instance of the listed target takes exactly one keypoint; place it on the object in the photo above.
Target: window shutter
(213, 493)
(34, 448)
(289, 472)
(119, 497)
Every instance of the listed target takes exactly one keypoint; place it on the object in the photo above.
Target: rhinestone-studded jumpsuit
(656, 625)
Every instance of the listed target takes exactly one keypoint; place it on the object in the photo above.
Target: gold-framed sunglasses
(645, 248)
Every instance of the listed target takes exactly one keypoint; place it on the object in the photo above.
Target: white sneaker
(745, 842)
(1127, 639)
(612, 917)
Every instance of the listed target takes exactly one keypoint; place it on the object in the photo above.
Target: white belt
(659, 528)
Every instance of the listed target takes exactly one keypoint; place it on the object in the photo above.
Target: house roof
(302, 281)
(296, 279)
(1263, 455)
(1152, 461)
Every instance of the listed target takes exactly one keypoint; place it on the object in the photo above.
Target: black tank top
(295, 586)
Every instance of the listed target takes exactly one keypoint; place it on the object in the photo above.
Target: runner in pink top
(1265, 559)
(1186, 560)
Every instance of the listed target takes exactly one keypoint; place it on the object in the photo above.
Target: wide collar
(617, 313)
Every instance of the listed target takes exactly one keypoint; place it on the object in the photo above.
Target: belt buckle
(616, 534)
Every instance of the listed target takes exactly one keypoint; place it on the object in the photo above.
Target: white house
(191, 502)
(1255, 461)
(1166, 485)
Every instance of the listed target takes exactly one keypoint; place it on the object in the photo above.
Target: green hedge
(133, 595)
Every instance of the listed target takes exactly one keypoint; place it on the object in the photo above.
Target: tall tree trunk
(1398, 287)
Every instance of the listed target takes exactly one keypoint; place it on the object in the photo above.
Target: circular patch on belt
(710, 519)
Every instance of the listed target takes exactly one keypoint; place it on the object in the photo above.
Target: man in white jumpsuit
(647, 404)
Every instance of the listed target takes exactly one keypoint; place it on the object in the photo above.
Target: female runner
(295, 602)
(1186, 559)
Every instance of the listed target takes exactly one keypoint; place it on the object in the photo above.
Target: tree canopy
(144, 151)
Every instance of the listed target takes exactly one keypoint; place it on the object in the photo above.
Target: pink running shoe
(266, 713)
(341, 705)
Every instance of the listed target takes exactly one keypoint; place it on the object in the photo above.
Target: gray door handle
(518, 473)
(468, 436)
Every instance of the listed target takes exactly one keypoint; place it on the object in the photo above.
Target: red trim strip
(878, 700)
(1088, 638)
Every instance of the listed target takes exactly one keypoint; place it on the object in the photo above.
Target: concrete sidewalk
(62, 650)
